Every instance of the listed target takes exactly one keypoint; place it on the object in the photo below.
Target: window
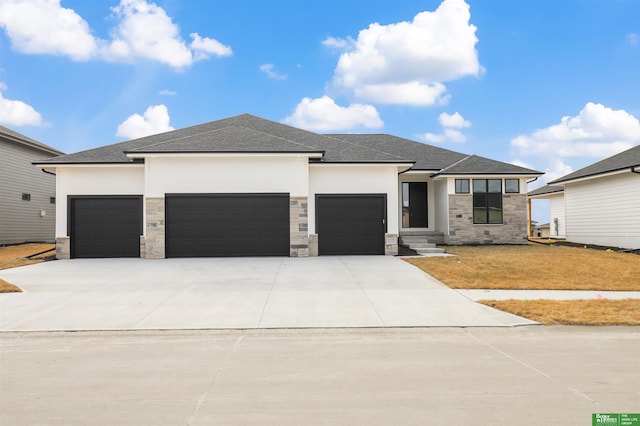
(52, 200)
(487, 201)
(26, 197)
(512, 186)
(462, 186)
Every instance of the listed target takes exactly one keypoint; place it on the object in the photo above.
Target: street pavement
(377, 376)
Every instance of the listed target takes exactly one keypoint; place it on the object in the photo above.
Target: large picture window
(487, 201)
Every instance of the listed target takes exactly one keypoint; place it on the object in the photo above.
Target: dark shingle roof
(427, 157)
(246, 133)
(624, 160)
(16, 137)
(205, 137)
(545, 190)
(476, 165)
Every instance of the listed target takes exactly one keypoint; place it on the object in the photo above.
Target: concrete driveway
(215, 293)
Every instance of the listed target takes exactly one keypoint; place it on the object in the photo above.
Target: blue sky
(553, 85)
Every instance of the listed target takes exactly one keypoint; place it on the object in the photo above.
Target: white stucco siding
(95, 180)
(355, 179)
(227, 174)
(441, 206)
(604, 211)
(557, 212)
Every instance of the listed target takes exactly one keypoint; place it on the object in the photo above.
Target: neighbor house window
(487, 201)
(462, 186)
(52, 200)
(26, 197)
(512, 186)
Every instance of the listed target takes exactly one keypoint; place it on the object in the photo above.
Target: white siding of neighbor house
(431, 212)
(355, 179)
(557, 211)
(94, 180)
(604, 211)
(227, 174)
(23, 221)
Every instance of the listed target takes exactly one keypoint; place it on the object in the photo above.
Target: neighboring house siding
(604, 211)
(556, 213)
(22, 221)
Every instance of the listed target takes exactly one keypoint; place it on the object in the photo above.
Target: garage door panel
(105, 226)
(227, 225)
(350, 224)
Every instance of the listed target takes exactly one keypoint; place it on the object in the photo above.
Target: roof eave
(563, 181)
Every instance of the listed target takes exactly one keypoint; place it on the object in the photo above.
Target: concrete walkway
(216, 293)
(478, 294)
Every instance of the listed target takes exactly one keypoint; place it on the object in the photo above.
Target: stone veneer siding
(63, 248)
(390, 244)
(462, 230)
(299, 226)
(152, 246)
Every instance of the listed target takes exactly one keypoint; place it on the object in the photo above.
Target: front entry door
(414, 205)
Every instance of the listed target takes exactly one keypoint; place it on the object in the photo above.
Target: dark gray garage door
(227, 225)
(105, 226)
(350, 224)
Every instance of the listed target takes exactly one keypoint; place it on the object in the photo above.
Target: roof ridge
(456, 163)
(369, 148)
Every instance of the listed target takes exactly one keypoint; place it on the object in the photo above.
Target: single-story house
(555, 195)
(600, 203)
(541, 231)
(249, 186)
(27, 195)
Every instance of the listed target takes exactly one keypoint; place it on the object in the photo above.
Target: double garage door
(225, 225)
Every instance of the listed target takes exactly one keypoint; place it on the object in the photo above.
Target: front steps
(420, 244)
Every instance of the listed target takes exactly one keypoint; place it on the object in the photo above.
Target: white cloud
(596, 132)
(454, 120)
(143, 31)
(205, 46)
(269, 70)
(44, 26)
(339, 43)
(323, 114)
(408, 62)
(17, 113)
(450, 133)
(167, 92)
(155, 120)
(633, 38)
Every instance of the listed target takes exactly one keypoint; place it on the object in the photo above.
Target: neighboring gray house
(599, 204)
(27, 195)
(246, 186)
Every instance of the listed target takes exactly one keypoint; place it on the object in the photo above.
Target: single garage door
(227, 225)
(105, 226)
(350, 224)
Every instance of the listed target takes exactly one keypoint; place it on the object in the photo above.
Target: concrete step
(415, 246)
(413, 240)
(430, 250)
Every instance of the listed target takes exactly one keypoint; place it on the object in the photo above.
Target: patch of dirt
(573, 312)
(17, 255)
(6, 287)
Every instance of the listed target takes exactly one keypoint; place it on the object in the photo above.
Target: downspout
(530, 227)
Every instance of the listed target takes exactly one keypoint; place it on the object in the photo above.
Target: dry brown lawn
(573, 312)
(13, 256)
(6, 287)
(534, 267)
